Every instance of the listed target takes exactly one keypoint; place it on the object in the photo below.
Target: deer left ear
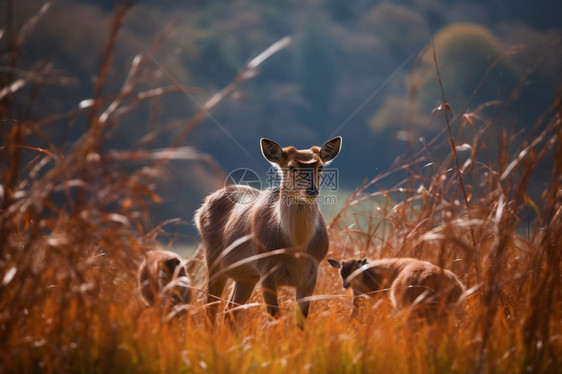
(271, 150)
(334, 263)
(330, 149)
(171, 264)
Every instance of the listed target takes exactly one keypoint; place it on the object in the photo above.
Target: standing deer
(412, 283)
(163, 279)
(279, 236)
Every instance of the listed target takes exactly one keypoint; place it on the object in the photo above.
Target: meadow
(477, 199)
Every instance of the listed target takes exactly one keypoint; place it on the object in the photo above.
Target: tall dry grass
(75, 221)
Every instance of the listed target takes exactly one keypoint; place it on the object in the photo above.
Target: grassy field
(474, 200)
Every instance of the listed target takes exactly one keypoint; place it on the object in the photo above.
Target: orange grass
(74, 226)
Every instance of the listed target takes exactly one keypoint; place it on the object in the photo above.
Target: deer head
(300, 170)
(347, 268)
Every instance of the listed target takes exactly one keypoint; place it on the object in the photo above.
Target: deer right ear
(271, 150)
(330, 149)
(334, 263)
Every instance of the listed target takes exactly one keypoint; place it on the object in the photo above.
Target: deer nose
(312, 191)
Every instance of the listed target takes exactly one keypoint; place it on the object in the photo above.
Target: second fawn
(276, 235)
(411, 283)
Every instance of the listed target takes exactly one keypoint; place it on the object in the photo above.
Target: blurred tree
(539, 14)
(58, 40)
(340, 11)
(464, 54)
(316, 71)
(391, 115)
(215, 64)
(391, 119)
(403, 30)
(341, 53)
(532, 44)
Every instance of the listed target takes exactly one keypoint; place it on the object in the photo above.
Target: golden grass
(74, 226)
(68, 288)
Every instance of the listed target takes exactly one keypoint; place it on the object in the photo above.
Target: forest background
(359, 69)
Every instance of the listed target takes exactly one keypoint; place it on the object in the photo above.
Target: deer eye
(292, 169)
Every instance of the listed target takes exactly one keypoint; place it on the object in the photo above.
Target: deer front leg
(303, 294)
(241, 294)
(357, 302)
(215, 288)
(270, 297)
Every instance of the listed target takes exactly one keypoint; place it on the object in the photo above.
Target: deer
(163, 280)
(419, 285)
(278, 236)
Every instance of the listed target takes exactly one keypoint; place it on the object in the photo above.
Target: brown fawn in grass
(424, 288)
(276, 235)
(163, 279)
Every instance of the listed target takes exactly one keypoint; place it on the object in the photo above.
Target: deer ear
(271, 150)
(334, 263)
(171, 264)
(330, 149)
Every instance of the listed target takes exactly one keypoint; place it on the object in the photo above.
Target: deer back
(423, 282)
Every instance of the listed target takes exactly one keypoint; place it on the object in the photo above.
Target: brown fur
(285, 219)
(411, 283)
(158, 269)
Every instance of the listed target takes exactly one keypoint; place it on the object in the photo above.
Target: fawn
(412, 283)
(163, 279)
(278, 236)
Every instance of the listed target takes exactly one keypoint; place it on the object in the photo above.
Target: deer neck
(298, 220)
